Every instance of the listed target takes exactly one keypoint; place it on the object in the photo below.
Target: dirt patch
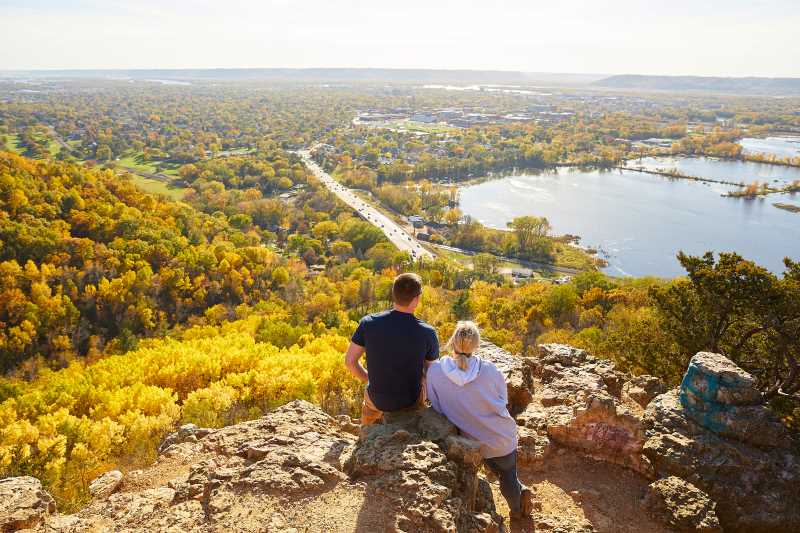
(581, 494)
(345, 508)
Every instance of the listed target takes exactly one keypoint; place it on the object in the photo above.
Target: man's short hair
(406, 287)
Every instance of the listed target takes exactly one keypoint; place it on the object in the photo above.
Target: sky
(665, 37)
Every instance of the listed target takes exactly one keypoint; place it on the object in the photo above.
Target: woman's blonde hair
(465, 340)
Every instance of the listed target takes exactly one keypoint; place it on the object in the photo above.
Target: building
(416, 221)
(426, 118)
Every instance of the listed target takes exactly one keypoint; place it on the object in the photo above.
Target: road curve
(396, 235)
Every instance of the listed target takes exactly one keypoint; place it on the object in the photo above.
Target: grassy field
(13, 145)
(407, 125)
(235, 152)
(137, 161)
(158, 187)
(573, 257)
(52, 145)
(426, 128)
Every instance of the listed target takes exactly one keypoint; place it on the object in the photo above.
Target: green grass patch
(573, 257)
(12, 144)
(138, 162)
(235, 152)
(158, 187)
(53, 147)
(462, 259)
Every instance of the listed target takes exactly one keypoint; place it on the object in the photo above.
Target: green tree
(532, 236)
(735, 307)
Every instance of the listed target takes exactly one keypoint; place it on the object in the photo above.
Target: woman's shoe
(527, 504)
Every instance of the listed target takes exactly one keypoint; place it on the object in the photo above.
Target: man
(399, 347)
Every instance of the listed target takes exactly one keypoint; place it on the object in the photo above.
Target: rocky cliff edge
(696, 458)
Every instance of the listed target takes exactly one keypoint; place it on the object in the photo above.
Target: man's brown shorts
(371, 414)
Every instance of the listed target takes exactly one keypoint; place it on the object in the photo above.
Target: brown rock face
(428, 473)
(580, 407)
(682, 505)
(23, 503)
(755, 489)
(517, 371)
(642, 389)
(105, 485)
(718, 395)
(245, 477)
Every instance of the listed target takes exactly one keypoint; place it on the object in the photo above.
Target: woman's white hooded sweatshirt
(475, 400)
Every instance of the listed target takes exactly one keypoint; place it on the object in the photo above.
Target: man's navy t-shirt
(397, 345)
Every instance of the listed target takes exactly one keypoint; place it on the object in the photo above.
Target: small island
(788, 207)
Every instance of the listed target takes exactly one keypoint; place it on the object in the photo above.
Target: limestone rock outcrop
(186, 433)
(105, 485)
(722, 397)
(517, 371)
(427, 471)
(239, 478)
(715, 459)
(642, 389)
(23, 503)
(740, 455)
(580, 406)
(682, 505)
(755, 489)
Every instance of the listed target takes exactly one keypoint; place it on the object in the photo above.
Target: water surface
(721, 169)
(778, 146)
(641, 220)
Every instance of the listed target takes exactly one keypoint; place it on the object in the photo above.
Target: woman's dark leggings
(505, 468)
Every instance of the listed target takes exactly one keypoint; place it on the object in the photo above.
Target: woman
(472, 394)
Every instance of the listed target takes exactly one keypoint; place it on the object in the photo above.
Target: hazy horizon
(717, 38)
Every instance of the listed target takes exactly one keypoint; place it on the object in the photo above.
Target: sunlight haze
(715, 38)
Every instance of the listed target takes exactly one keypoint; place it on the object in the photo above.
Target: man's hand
(352, 361)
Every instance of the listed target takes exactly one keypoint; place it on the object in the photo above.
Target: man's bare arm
(352, 361)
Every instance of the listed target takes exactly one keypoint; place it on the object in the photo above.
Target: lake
(641, 220)
(779, 146)
(719, 169)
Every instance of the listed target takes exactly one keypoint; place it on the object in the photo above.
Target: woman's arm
(502, 388)
(432, 396)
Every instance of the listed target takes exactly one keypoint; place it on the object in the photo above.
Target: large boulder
(517, 371)
(427, 472)
(23, 503)
(642, 389)
(722, 397)
(712, 377)
(104, 485)
(756, 489)
(579, 406)
(682, 506)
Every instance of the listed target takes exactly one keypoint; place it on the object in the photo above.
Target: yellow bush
(67, 426)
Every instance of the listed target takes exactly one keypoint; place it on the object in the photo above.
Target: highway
(396, 235)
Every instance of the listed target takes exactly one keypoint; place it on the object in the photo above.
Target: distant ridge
(324, 75)
(752, 85)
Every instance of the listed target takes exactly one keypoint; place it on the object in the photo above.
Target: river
(641, 220)
(779, 146)
(719, 169)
